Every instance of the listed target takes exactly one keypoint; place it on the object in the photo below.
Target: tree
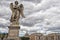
(3, 35)
(24, 38)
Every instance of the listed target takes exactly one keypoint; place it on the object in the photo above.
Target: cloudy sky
(42, 16)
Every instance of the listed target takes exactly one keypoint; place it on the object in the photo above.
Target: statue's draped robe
(15, 13)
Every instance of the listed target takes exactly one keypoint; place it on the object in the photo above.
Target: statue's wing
(21, 11)
(12, 9)
(11, 6)
(22, 14)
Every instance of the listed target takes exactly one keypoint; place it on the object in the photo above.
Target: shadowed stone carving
(17, 10)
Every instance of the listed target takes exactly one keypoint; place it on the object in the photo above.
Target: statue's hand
(23, 16)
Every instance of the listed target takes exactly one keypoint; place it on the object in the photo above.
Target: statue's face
(16, 2)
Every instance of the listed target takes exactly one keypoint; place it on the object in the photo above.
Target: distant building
(39, 36)
(54, 36)
(44, 37)
(35, 36)
(26, 35)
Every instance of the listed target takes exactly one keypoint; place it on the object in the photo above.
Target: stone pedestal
(13, 33)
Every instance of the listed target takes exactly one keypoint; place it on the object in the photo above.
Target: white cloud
(4, 22)
(47, 16)
(42, 17)
(3, 30)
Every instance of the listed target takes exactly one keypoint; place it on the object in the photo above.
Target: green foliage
(3, 35)
(24, 38)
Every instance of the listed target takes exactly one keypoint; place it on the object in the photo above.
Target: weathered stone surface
(14, 27)
(13, 33)
(13, 38)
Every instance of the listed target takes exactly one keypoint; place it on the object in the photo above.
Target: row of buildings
(39, 36)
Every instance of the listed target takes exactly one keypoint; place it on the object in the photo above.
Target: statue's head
(16, 2)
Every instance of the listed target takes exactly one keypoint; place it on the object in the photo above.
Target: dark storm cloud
(35, 1)
(31, 21)
(53, 28)
(27, 24)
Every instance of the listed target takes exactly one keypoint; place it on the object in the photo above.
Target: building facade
(35, 36)
(39, 36)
